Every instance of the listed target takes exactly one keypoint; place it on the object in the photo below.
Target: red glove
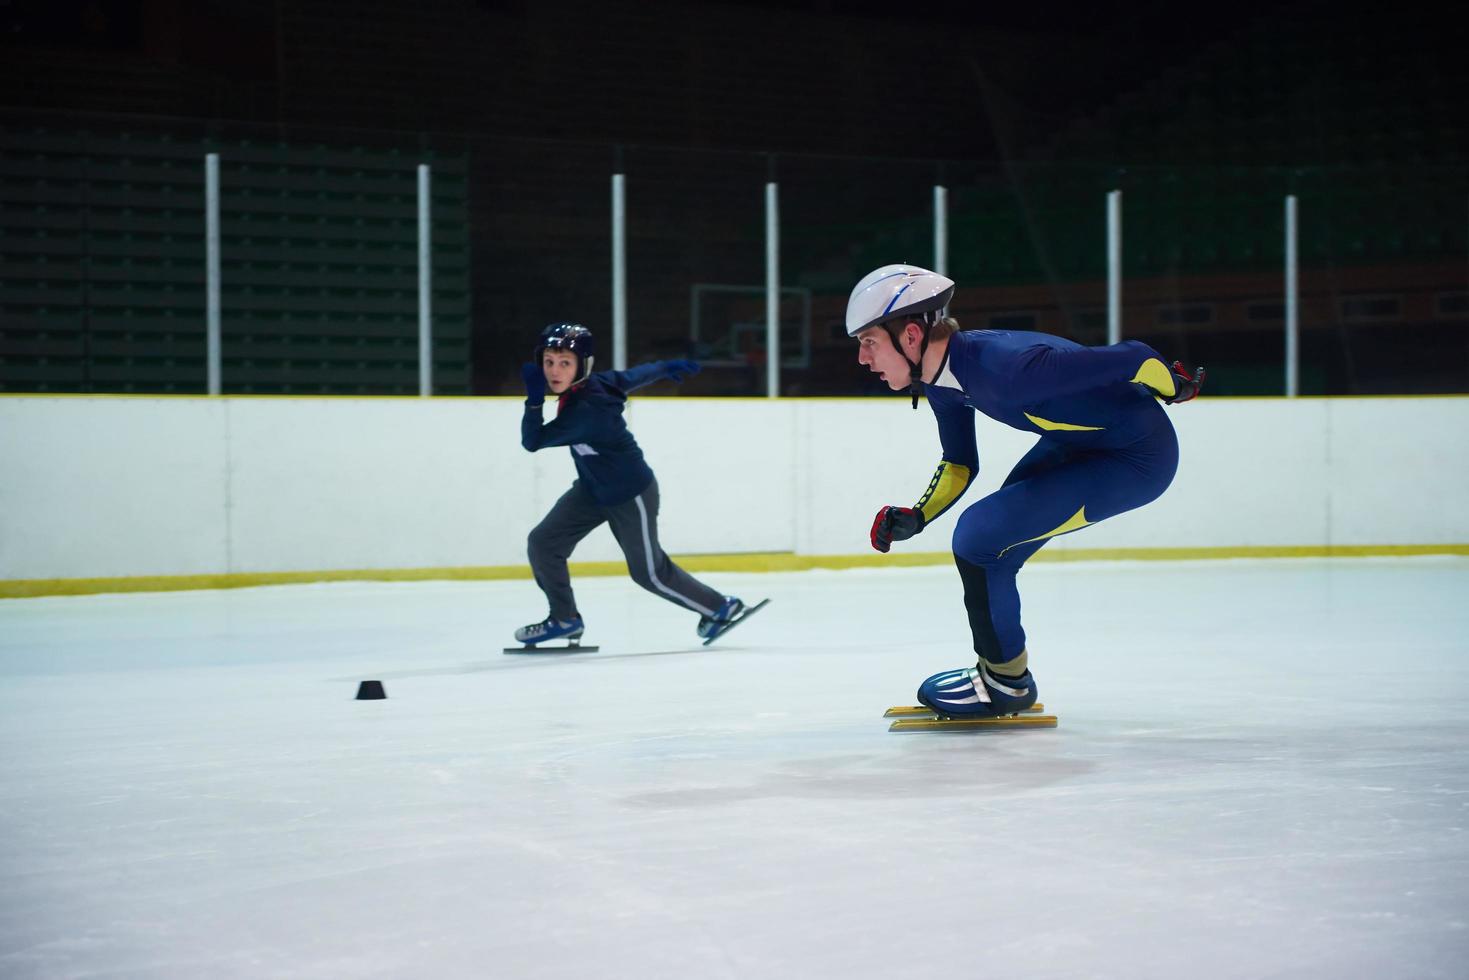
(1186, 385)
(895, 524)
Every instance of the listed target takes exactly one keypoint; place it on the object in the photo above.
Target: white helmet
(894, 291)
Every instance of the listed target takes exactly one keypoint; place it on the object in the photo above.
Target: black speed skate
(977, 692)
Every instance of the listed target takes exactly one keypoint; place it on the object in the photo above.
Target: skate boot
(550, 629)
(977, 692)
(714, 625)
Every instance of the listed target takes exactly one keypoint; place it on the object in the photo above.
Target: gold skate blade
(972, 724)
(923, 711)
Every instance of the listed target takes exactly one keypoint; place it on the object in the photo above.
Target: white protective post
(1114, 267)
(619, 273)
(1292, 304)
(425, 287)
(214, 344)
(772, 290)
(940, 229)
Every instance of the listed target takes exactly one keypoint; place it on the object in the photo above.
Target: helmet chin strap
(915, 372)
(915, 368)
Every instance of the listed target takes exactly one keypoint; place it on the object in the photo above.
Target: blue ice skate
(975, 692)
(551, 629)
(728, 612)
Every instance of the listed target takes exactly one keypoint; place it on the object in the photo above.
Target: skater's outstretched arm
(645, 374)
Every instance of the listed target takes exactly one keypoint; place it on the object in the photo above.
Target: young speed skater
(1105, 446)
(614, 484)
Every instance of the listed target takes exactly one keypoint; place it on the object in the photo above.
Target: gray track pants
(635, 526)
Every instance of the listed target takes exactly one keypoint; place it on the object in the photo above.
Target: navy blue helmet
(570, 337)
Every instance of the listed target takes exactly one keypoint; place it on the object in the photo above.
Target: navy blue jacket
(608, 461)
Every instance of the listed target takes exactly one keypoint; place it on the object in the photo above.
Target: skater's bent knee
(540, 544)
(977, 555)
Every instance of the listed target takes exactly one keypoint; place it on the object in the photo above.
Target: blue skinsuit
(1105, 447)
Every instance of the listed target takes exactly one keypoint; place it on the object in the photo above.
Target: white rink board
(374, 484)
(725, 471)
(117, 486)
(1399, 469)
(96, 487)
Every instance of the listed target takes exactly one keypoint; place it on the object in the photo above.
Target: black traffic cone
(371, 691)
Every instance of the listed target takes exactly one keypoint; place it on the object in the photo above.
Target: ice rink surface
(1261, 770)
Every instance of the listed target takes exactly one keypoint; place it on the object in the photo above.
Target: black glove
(895, 524)
(1186, 385)
(678, 370)
(535, 383)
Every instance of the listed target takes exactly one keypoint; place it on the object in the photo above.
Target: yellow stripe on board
(765, 562)
(762, 399)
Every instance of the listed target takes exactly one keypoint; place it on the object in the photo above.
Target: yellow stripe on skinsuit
(1075, 522)
(1050, 426)
(949, 480)
(1156, 375)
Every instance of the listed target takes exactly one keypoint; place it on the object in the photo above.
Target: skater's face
(560, 369)
(876, 352)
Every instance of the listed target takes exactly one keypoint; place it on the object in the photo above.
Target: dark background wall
(862, 78)
(1205, 115)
